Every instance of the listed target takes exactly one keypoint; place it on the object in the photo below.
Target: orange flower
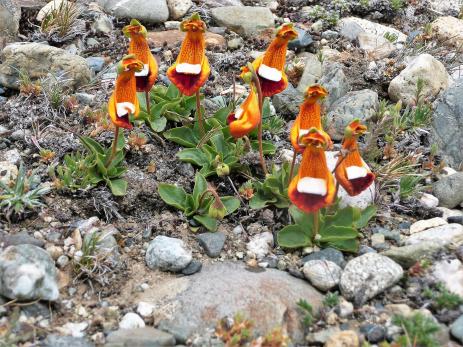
(124, 102)
(313, 187)
(270, 66)
(309, 116)
(352, 173)
(246, 117)
(191, 69)
(139, 47)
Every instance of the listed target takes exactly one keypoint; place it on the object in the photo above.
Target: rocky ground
(85, 268)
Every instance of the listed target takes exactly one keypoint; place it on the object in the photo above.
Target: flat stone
(140, 337)
(377, 47)
(442, 235)
(19, 239)
(212, 243)
(346, 338)
(244, 20)
(427, 224)
(154, 11)
(407, 256)
(195, 303)
(174, 38)
(366, 276)
(335, 81)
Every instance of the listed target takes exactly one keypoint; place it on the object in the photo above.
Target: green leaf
(199, 189)
(259, 201)
(365, 216)
(184, 136)
(173, 195)
(337, 233)
(208, 222)
(194, 156)
(158, 124)
(218, 141)
(222, 114)
(142, 101)
(93, 146)
(343, 217)
(300, 217)
(231, 203)
(172, 91)
(267, 147)
(118, 186)
(294, 236)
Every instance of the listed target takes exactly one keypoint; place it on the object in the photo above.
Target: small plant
(236, 332)
(418, 330)
(409, 185)
(54, 92)
(273, 124)
(26, 85)
(86, 262)
(338, 228)
(391, 37)
(61, 23)
(137, 140)
(307, 312)
(276, 338)
(331, 300)
(442, 298)
(46, 155)
(397, 5)
(329, 19)
(203, 205)
(22, 195)
(273, 190)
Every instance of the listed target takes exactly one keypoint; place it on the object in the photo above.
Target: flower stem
(199, 115)
(256, 81)
(113, 148)
(291, 171)
(148, 106)
(316, 224)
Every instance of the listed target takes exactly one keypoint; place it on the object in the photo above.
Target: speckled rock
(323, 274)
(168, 254)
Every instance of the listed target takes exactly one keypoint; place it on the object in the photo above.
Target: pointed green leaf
(93, 146)
(199, 189)
(184, 136)
(294, 236)
(194, 156)
(173, 195)
(118, 186)
(365, 216)
(300, 217)
(208, 222)
(172, 91)
(231, 204)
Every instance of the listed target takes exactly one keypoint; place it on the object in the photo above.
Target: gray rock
(374, 333)
(10, 14)
(85, 98)
(139, 337)
(330, 35)
(352, 27)
(168, 254)
(28, 272)
(19, 239)
(407, 256)
(287, 102)
(131, 320)
(96, 63)
(456, 329)
(335, 81)
(107, 247)
(244, 20)
(368, 275)
(212, 243)
(102, 25)
(154, 11)
(235, 43)
(425, 67)
(303, 40)
(192, 268)
(323, 274)
(38, 60)
(53, 340)
(12, 156)
(450, 7)
(312, 72)
(8, 172)
(449, 30)
(361, 104)
(329, 254)
(196, 303)
(442, 235)
(447, 124)
(221, 3)
(178, 8)
(449, 190)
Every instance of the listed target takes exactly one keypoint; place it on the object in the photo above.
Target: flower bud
(217, 209)
(247, 77)
(222, 169)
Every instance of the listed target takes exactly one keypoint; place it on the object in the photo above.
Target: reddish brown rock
(173, 38)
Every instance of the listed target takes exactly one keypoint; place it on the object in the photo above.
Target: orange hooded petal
(140, 48)
(191, 70)
(313, 187)
(309, 115)
(352, 173)
(124, 102)
(248, 116)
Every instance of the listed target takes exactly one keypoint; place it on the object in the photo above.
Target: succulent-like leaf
(294, 236)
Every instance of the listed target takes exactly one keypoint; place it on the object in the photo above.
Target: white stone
(178, 8)
(449, 30)
(425, 67)
(399, 309)
(144, 72)
(287, 155)
(131, 321)
(270, 73)
(346, 308)
(429, 201)
(442, 235)
(260, 245)
(73, 329)
(426, 224)
(168, 254)
(354, 172)
(124, 108)
(352, 27)
(13, 156)
(311, 185)
(49, 7)
(145, 309)
(323, 274)
(447, 171)
(368, 275)
(8, 172)
(190, 69)
(377, 47)
(377, 239)
(450, 272)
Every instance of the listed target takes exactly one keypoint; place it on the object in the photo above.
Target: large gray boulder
(449, 190)
(38, 60)
(27, 273)
(193, 304)
(244, 20)
(335, 81)
(447, 124)
(10, 14)
(152, 11)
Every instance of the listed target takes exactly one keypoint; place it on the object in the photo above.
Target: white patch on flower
(144, 72)
(239, 113)
(311, 185)
(302, 132)
(354, 172)
(270, 73)
(123, 108)
(190, 69)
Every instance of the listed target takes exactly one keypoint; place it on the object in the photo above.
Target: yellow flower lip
(316, 91)
(193, 24)
(135, 27)
(130, 63)
(355, 128)
(287, 31)
(315, 137)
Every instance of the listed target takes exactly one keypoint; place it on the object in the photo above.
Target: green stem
(199, 115)
(316, 224)
(113, 148)
(148, 106)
